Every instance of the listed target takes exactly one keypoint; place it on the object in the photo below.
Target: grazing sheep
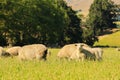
(13, 51)
(34, 51)
(92, 53)
(88, 52)
(71, 51)
(77, 55)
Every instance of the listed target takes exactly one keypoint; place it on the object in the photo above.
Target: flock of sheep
(80, 51)
(77, 51)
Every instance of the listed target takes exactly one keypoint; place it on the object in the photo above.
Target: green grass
(54, 69)
(109, 40)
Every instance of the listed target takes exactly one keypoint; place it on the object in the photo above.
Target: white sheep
(92, 53)
(71, 51)
(34, 51)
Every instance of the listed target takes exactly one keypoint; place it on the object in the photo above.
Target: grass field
(54, 69)
(112, 40)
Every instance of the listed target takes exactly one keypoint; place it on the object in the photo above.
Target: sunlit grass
(109, 40)
(117, 22)
(54, 69)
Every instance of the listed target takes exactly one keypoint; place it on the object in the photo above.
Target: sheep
(92, 53)
(88, 52)
(13, 51)
(34, 51)
(77, 54)
(71, 51)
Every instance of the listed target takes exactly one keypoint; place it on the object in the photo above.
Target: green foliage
(101, 15)
(33, 21)
(40, 21)
(53, 69)
(88, 36)
(73, 30)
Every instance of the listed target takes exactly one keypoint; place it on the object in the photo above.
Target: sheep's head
(79, 46)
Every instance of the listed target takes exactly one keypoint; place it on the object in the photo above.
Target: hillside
(109, 40)
(83, 5)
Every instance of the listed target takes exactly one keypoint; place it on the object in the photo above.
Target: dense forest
(52, 22)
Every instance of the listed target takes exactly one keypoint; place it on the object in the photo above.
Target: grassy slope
(109, 40)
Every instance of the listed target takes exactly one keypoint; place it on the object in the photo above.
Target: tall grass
(55, 69)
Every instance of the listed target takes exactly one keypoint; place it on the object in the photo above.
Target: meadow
(110, 40)
(55, 69)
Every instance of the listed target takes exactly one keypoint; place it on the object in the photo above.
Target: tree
(73, 32)
(101, 15)
(30, 21)
(39, 21)
(117, 12)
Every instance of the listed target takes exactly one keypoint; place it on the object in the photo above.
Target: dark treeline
(50, 22)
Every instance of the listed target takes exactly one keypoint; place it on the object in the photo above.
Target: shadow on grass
(110, 31)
